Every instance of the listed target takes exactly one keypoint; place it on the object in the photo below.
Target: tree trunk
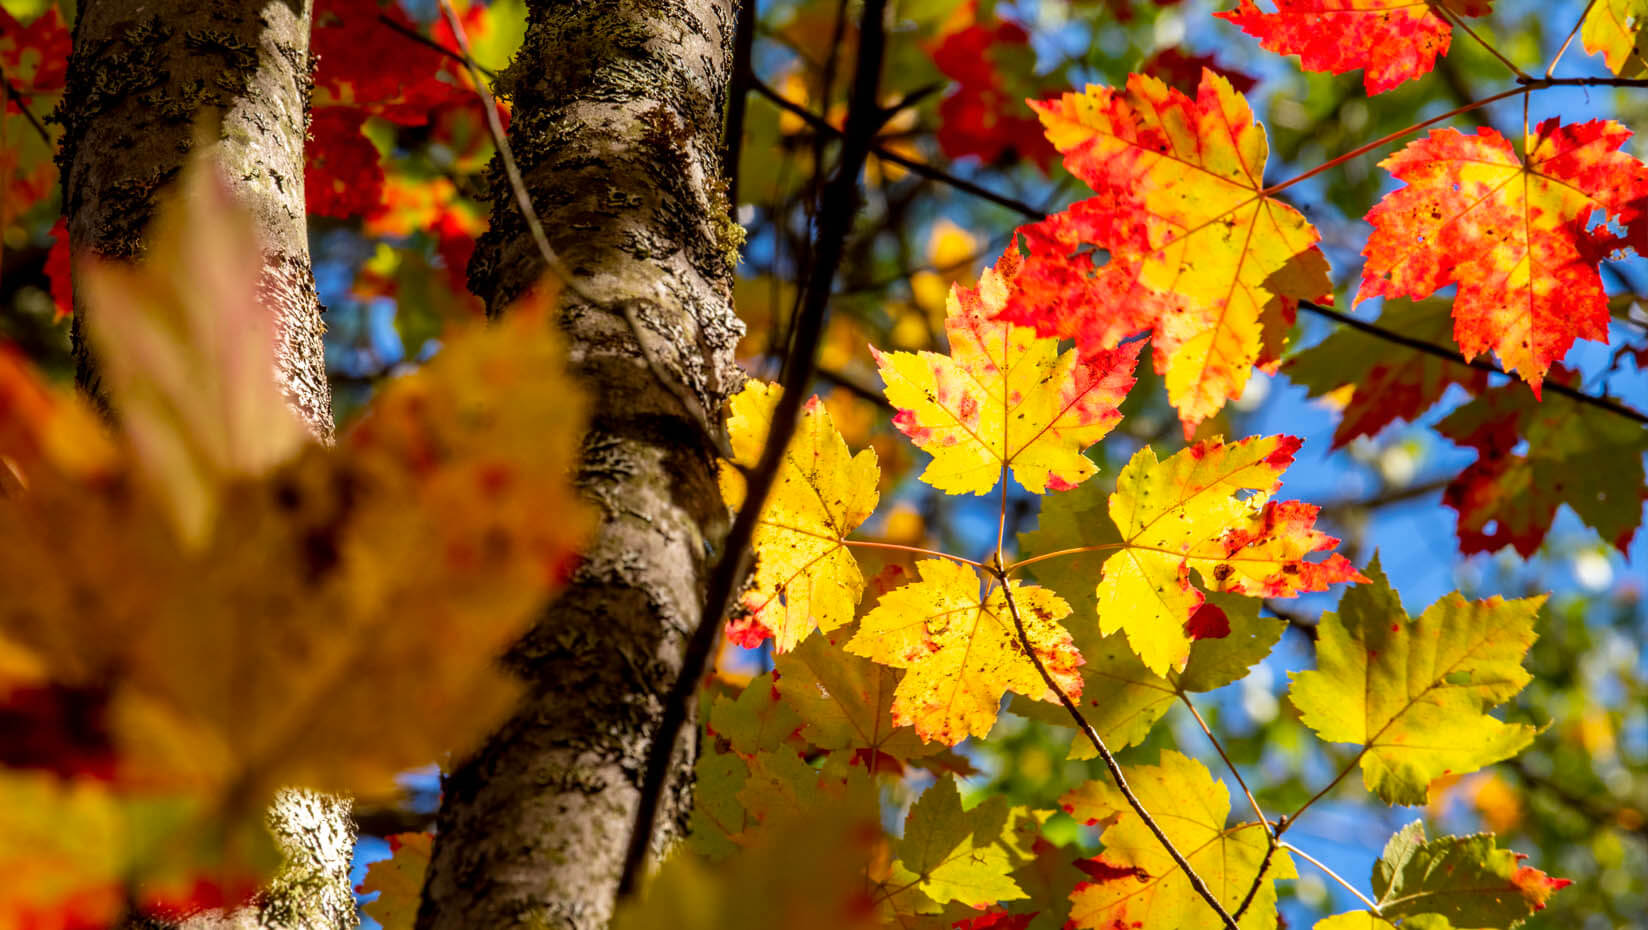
(143, 80)
(617, 126)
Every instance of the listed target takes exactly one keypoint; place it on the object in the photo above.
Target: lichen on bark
(616, 124)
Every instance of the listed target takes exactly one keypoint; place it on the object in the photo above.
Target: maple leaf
(1387, 382)
(1183, 213)
(1354, 920)
(1414, 692)
(398, 881)
(804, 576)
(1135, 883)
(1185, 513)
(1457, 881)
(978, 118)
(1121, 698)
(1393, 41)
(948, 854)
(1512, 234)
(445, 516)
(846, 702)
(961, 651)
(1004, 398)
(185, 345)
(1614, 28)
(1577, 455)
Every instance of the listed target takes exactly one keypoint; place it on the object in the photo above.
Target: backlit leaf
(1004, 397)
(1512, 234)
(1197, 251)
(960, 649)
(1414, 692)
(1457, 882)
(1137, 884)
(804, 576)
(1391, 40)
(1614, 28)
(1206, 508)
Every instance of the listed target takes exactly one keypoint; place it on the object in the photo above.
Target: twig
(1481, 364)
(1271, 839)
(28, 114)
(1551, 68)
(840, 205)
(1331, 874)
(1196, 882)
(418, 37)
(1350, 766)
(732, 140)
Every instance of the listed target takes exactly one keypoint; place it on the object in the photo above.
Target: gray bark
(617, 126)
(144, 78)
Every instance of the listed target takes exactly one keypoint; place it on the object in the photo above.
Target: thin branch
(914, 166)
(732, 140)
(418, 37)
(1481, 364)
(1551, 68)
(1196, 882)
(840, 205)
(851, 386)
(22, 104)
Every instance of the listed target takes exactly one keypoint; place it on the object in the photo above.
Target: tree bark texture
(617, 126)
(145, 77)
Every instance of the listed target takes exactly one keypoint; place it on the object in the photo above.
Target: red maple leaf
(1513, 235)
(1392, 41)
(979, 117)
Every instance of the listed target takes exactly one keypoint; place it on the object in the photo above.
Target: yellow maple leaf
(1188, 512)
(1614, 28)
(961, 649)
(804, 575)
(186, 346)
(1182, 204)
(1004, 397)
(1135, 883)
(338, 616)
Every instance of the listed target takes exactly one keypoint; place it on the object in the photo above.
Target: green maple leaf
(1414, 692)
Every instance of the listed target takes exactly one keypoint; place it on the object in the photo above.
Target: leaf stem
(1116, 775)
(1459, 21)
(1078, 550)
(1350, 766)
(1550, 69)
(1333, 875)
(1529, 85)
(917, 550)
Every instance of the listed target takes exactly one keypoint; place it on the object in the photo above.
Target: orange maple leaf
(1513, 235)
(1198, 250)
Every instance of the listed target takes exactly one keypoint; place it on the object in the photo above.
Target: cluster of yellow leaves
(254, 609)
